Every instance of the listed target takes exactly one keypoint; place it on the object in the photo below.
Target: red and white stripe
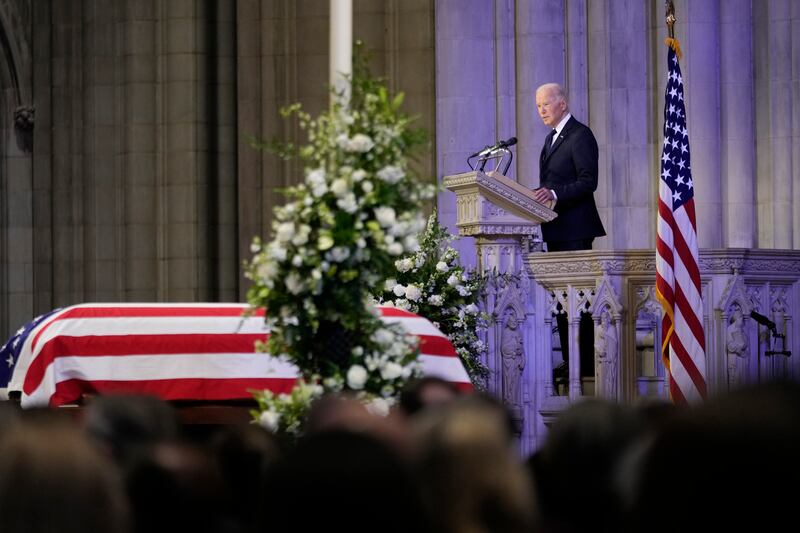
(177, 352)
(679, 291)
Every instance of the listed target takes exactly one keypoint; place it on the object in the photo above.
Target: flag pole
(671, 41)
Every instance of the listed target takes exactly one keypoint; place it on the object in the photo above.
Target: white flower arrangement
(432, 283)
(333, 242)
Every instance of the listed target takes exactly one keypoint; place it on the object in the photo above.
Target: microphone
(764, 321)
(497, 146)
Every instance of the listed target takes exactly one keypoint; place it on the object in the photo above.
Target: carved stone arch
(735, 293)
(605, 297)
(14, 46)
(15, 94)
(511, 296)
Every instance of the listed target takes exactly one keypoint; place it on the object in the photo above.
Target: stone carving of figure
(513, 361)
(606, 352)
(736, 345)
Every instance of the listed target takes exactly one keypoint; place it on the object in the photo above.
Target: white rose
(411, 243)
(398, 290)
(269, 420)
(337, 254)
(400, 229)
(378, 407)
(366, 186)
(317, 190)
(404, 265)
(301, 237)
(356, 377)
(284, 232)
(441, 266)
(391, 174)
(348, 204)
(316, 176)
(395, 249)
(385, 216)
(383, 336)
(391, 371)
(359, 175)
(361, 243)
(342, 140)
(402, 303)
(435, 299)
(339, 187)
(276, 252)
(294, 283)
(452, 280)
(267, 270)
(389, 284)
(360, 143)
(297, 261)
(413, 293)
(471, 309)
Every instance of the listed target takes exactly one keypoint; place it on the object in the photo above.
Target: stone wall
(138, 182)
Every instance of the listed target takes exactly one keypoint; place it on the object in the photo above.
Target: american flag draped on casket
(173, 351)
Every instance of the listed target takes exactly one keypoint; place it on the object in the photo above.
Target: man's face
(551, 109)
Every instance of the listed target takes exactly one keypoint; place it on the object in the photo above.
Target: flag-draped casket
(192, 351)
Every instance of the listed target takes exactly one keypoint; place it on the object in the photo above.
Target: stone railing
(615, 291)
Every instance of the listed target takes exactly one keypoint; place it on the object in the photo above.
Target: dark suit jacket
(571, 171)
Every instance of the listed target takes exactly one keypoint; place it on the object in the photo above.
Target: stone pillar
(341, 44)
(781, 67)
(465, 96)
(541, 50)
(17, 186)
(795, 139)
(737, 124)
(698, 31)
(619, 117)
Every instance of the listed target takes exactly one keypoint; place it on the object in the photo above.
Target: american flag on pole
(181, 351)
(677, 269)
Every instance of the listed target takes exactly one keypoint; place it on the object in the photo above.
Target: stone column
(619, 117)
(698, 30)
(541, 49)
(737, 124)
(781, 65)
(795, 140)
(341, 43)
(465, 96)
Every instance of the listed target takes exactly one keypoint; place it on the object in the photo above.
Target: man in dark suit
(567, 175)
(568, 179)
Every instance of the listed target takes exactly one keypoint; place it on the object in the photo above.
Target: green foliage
(337, 237)
(433, 284)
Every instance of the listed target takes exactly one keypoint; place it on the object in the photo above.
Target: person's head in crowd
(245, 453)
(53, 478)
(426, 392)
(124, 424)
(9, 416)
(470, 473)
(728, 465)
(174, 486)
(347, 413)
(345, 477)
(575, 471)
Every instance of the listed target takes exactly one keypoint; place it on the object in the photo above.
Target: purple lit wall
(741, 67)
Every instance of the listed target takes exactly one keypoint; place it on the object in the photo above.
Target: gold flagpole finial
(670, 7)
(671, 41)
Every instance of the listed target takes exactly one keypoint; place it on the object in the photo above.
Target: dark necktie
(548, 143)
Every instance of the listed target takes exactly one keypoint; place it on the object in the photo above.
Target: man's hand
(543, 195)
